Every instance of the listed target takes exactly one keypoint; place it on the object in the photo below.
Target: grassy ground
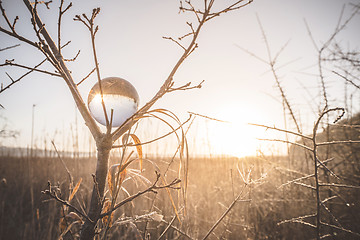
(213, 184)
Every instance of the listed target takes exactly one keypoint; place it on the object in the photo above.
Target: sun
(235, 136)
(232, 138)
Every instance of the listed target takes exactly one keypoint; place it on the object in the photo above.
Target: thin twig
(282, 130)
(224, 214)
(53, 194)
(285, 141)
(338, 142)
(341, 228)
(178, 230)
(295, 180)
(152, 188)
(6, 48)
(168, 82)
(11, 63)
(86, 77)
(167, 227)
(296, 218)
(63, 163)
(338, 185)
(24, 75)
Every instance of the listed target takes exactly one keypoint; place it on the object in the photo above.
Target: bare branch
(271, 62)
(61, 67)
(164, 88)
(252, 54)
(78, 18)
(67, 43)
(167, 227)
(61, 13)
(340, 228)
(152, 188)
(297, 218)
(11, 63)
(11, 26)
(338, 142)
(207, 117)
(338, 185)
(63, 163)
(178, 230)
(87, 76)
(54, 195)
(347, 80)
(306, 185)
(168, 82)
(18, 80)
(286, 141)
(235, 6)
(326, 168)
(225, 213)
(186, 87)
(330, 213)
(6, 48)
(296, 180)
(282, 130)
(21, 38)
(89, 23)
(210, 15)
(179, 44)
(74, 58)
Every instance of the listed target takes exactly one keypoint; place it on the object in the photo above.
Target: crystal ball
(118, 95)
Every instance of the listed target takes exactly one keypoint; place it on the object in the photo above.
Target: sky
(238, 88)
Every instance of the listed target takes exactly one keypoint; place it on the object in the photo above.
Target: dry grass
(213, 185)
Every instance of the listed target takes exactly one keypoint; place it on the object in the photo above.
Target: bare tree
(52, 51)
(326, 177)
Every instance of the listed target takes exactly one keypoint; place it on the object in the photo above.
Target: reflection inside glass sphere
(118, 95)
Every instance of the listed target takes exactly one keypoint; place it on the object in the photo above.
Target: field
(131, 189)
(266, 197)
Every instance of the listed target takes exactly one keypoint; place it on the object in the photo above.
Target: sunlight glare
(235, 137)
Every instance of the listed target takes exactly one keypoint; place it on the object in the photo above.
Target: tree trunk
(104, 144)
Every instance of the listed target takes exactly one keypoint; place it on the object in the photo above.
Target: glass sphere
(119, 95)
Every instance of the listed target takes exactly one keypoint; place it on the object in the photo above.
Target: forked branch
(152, 188)
(59, 64)
(54, 195)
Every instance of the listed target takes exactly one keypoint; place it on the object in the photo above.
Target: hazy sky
(238, 88)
